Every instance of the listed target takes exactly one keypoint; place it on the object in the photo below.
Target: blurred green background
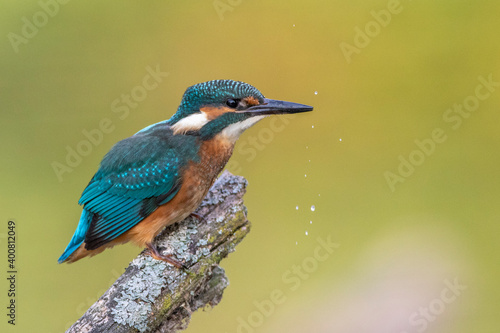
(399, 249)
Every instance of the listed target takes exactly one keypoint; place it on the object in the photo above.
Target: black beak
(272, 106)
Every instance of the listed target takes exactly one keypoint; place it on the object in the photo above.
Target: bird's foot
(198, 216)
(155, 253)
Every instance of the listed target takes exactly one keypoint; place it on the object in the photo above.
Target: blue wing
(138, 174)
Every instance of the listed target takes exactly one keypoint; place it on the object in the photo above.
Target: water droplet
(312, 126)
(307, 233)
(294, 25)
(296, 207)
(305, 175)
(309, 160)
(313, 208)
(310, 222)
(296, 243)
(316, 92)
(340, 139)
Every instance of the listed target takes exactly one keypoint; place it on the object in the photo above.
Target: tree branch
(152, 296)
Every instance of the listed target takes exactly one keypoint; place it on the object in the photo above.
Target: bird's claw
(198, 216)
(152, 250)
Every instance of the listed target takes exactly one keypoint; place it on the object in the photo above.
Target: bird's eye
(232, 103)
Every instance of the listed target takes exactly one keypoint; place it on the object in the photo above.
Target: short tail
(79, 235)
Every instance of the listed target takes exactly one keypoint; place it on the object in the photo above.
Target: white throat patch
(193, 122)
(233, 131)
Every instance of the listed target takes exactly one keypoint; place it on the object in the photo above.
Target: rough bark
(152, 296)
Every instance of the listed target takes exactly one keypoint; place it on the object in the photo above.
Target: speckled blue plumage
(136, 176)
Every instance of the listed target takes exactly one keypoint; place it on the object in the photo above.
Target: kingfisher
(161, 174)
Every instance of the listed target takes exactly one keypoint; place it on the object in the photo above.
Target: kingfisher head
(226, 107)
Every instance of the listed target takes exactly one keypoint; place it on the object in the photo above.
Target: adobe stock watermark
(121, 107)
(454, 117)
(31, 26)
(293, 279)
(363, 37)
(223, 6)
(425, 315)
(253, 144)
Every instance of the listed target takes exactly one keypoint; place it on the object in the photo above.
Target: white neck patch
(233, 131)
(193, 122)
